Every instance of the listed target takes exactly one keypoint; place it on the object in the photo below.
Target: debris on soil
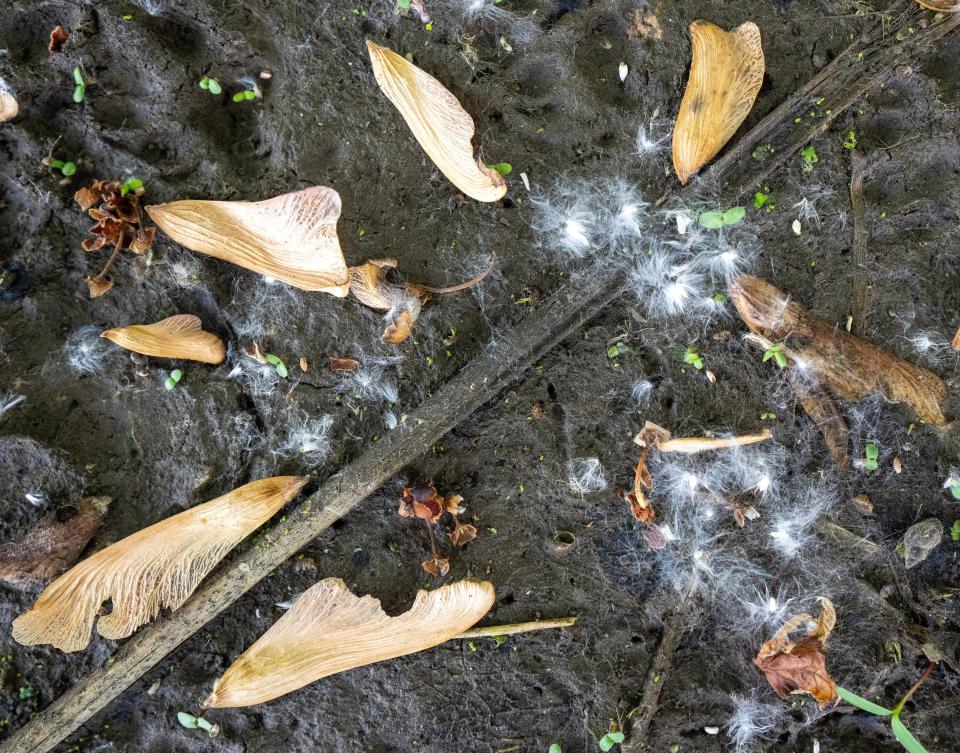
(13, 280)
(800, 666)
(159, 566)
(329, 630)
(179, 336)
(826, 416)
(438, 122)
(291, 238)
(425, 503)
(345, 365)
(921, 539)
(120, 224)
(851, 367)
(725, 79)
(646, 24)
(58, 38)
(53, 544)
(9, 107)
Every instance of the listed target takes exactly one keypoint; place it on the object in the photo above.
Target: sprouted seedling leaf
(955, 530)
(278, 364)
(504, 168)
(554, 748)
(134, 184)
(617, 349)
(775, 352)
(851, 141)
(609, 740)
(67, 168)
(211, 85)
(246, 95)
(809, 156)
(174, 379)
(80, 88)
(692, 357)
(197, 722)
(717, 220)
(953, 483)
(871, 454)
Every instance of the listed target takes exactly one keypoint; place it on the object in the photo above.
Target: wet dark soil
(541, 82)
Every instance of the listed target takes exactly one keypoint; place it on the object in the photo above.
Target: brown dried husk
(438, 121)
(849, 366)
(725, 78)
(328, 630)
(157, 567)
(823, 411)
(179, 336)
(941, 6)
(291, 238)
(9, 107)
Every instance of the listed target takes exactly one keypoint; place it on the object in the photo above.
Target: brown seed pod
(179, 336)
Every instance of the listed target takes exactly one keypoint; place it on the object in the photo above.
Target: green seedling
(211, 85)
(762, 151)
(246, 95)
(953, 484)
(955, 530)
(80, 88)
(403, 4)
(759, 199)
(903, 735)
(692, 357)
(617, 349)
(775, 352)
(610, 739)
(197, 722)
(554, 748)
(134, 184)
(717, 220)
(278, 364)
(174, 379)
(67, 168)
(504, 168)
(871, 454)
(720, 298)
(851, 141)
(809, 156)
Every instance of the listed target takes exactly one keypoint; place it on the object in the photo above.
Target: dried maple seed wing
(851, 367)
(823, 411)
(291, 238)
(368, 284)
(157, 567)
(725, 78)
(9, 107)
(438, 122)
(329, 630)
(177, 336)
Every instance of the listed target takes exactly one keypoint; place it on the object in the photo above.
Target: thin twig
(518, 627)
(858, 309)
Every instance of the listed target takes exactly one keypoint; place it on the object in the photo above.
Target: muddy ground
(541, 81)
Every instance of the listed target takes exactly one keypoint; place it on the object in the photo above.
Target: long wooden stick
(482, 379)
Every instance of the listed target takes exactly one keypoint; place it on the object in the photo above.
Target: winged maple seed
(799, 666)
(157, 567)
(402, 301)
(725, 77)
(179, 336)
(847, 365)
(425, 503)
(825, 414)
(328, 630)
(120, 224)
(438, 122)
(53, 544)
(291, 238)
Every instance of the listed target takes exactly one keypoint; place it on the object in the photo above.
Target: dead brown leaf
(725, 78)
(179, 336)
(851, 367)
(823, 411)
(58, 38)
(462, 533)
(343, 364)
(799, 666)
(329, 630)
(53, 544)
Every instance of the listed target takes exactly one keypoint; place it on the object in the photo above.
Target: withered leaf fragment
(941, 6)
(157, 567)
(438, 122)
(291, 238)
(328, 630)
(851, 367)
(422, 502)
(799, 666)
(179, 336)
(53, 544)
(436, 565)
(58, 38)
(462, 533)
(9, 107)
(344, 364)
(955, 343)
(823, 411)
(725, 78)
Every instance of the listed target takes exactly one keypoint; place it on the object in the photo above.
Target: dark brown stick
(478, 382)
(858, 308)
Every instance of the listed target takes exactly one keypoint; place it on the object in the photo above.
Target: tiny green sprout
(953, 483)
(717, 220)
(134, 184)
(809, 156)
(720, 298)
(851, 141)
(25, 692)
(775, 352)
(128, 17)
(80, 88)
(871, 454)
(211, 85)
(955, 530)
(278, 364)
(403, 4)
(692, 357)
(617, 349)
(66, 168)
(762, 151)
(174, 379)
(555, 748)
(246, 95)
(610, 739)
(759, 199)
(504, 168)
(197, 722)
(900, 731)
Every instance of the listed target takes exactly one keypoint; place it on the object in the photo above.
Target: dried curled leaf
(157, 567)
(53, 544)
(291, 238)
(9, 107)
(851, 367)
(941, 6)
(329, 630)
(438, 122)
(725, 78)
(823, 411)
(799, 666)
(179, 336)
(58, 38)
(422, 502)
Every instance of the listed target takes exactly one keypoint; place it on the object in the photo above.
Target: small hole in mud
(635, 639)
(338, 525)
(508, 599)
